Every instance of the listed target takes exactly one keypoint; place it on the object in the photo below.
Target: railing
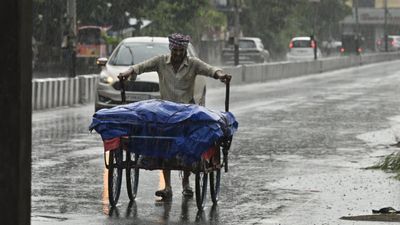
(56, 92)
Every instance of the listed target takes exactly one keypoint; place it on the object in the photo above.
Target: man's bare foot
(164, 193)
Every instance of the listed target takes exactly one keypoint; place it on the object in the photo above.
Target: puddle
(45, 218)
(379, 217)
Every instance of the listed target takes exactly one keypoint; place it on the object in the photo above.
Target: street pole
(71, 13)
(357, 26)
(71, 16)
(313, 39)
(236, 37)
(314, 24)
(385, 27)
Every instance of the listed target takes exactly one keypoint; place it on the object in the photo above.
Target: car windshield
(246, 44)
(301, 44)
(132, 53)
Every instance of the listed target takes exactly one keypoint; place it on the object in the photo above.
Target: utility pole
(357, 29)
(72, 31)
(313, 39)
(236, 31)
(385, 27)
(16, 116)
(71, 13)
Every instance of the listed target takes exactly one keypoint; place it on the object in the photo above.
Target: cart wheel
(114, 176)
(215, 177)
(132, 175)
(201, 189)
(215, 181)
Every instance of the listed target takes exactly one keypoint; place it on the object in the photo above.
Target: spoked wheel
(201, 189)
(215, 176)
(215, 181)
(132, 175)
(114, 176)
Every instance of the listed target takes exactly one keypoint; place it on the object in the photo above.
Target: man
(177, 73)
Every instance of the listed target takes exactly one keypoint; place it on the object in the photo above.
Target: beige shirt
(176, 87)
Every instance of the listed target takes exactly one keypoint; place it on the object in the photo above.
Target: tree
(276, 22)
(330, 13)
(192, 17)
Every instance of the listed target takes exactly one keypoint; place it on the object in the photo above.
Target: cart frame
(205, 170)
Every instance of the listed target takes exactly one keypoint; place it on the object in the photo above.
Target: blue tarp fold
(165, 129)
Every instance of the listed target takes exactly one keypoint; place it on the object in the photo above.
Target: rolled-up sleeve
(203, 68)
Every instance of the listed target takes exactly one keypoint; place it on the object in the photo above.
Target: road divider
(57, 92)
(256, 73)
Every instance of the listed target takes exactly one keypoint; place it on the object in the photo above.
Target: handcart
(126, 155)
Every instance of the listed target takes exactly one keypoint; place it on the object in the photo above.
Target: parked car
(251, 50)
(131, 51)
(301, 49)
(331, 47)
(351, 44)
(393, 43)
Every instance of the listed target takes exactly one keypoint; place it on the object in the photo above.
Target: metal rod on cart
(227, 142)
(227, 96)
(123, 96)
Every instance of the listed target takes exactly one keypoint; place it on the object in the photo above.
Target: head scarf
(178, 40)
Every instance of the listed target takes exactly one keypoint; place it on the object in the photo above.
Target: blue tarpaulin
(160, 128)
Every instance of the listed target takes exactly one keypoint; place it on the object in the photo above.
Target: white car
(393, 43)
(146, 86)
(302, 49)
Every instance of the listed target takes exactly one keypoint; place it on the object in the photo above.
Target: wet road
(298, 157)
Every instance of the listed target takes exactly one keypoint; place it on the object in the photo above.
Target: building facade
(372, 20)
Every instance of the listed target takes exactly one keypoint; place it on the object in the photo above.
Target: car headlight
(106, 79)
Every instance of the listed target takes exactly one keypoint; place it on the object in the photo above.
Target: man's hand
(125, 75)
(224, 78)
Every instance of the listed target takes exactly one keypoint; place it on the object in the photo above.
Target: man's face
(178, 54)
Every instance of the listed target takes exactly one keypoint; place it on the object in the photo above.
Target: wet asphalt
(299, 157)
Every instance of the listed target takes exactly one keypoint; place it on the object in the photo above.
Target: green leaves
(276, 22)
(191, 17)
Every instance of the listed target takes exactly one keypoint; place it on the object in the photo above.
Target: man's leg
(167, 179)
(187, 190)
(167, 191)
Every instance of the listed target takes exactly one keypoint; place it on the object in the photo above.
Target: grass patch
(390, 163)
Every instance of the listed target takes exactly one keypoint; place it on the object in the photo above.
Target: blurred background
(68, 36)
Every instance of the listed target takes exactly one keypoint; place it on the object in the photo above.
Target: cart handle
(227, 142)
(122, 84)
(227, 90)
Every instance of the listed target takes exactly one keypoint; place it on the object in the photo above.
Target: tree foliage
(187, 16)
(276, 22)
(192, 17)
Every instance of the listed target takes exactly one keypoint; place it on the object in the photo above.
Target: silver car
(301, 49)
(251, 50)
(146, 86)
